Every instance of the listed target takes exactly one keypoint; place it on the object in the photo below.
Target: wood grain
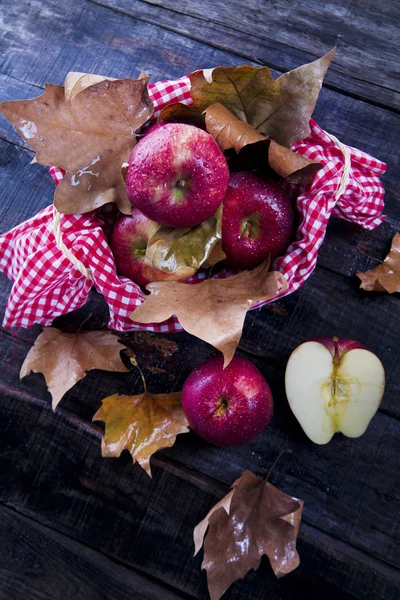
(325, 477)
(341, 115)
(51, 566)
(55, 474)
(76, 525)
(359, 250)
(277, 33)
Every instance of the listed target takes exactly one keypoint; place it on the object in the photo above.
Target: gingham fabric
(47, 285)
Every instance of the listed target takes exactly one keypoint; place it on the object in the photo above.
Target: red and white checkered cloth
(47, 285)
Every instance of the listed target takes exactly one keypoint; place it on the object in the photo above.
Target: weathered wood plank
(40, 564)
(69, 36)
(347, 118)
(53, 473)
(25, 189)
(28, 188)
(51, 466)
(278, 34)
(326, 477)
(326, 303)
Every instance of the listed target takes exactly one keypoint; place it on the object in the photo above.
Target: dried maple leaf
(231, 132)
(65, 358)
(87, 131)
(279, 108)
(182, 113)
(386, 276)
(76, 82)
(213, 310)
(228, 130)
(255, 518)
(141, 424)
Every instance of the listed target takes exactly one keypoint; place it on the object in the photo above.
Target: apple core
(334, 386)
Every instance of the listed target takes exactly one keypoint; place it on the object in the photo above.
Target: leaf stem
(90, 315)
(287, 451)
(134, 362)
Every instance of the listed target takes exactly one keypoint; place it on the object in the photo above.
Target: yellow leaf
(141, 424)
(178, 250)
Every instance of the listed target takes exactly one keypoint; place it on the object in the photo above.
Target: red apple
(177, 175)
(228, 406)
(128, 243)
(257, 220)
(334, 385)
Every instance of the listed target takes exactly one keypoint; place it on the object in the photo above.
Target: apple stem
(336, 354)
(221, 407)
(248, 230)
(181, 184)
(287, 451)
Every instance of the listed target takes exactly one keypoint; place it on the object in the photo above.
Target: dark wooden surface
(76, 526)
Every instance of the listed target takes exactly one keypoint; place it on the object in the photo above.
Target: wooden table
(76, 526)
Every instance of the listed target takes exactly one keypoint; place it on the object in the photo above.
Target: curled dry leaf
(184, 250)
(279, 108)
(65, 358)
(231, 132)
(141, 424)
(87, 131)
(182, 113)
(255, 518)
(76, 82)
(216, 255)
(386, 276)
(213, 310)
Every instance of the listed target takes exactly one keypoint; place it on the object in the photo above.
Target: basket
(55, 259)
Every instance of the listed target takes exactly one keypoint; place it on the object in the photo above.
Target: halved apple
(334, 385)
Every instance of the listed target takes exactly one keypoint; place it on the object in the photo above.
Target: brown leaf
(176, 250)
(213, 310)
(89, 134)
(279, 108)
(386, 276)
(141, 424)
(255, 518)
(65, 358)
(289, 164)
(231, 132)
(76, 82)
(182, 113)
(201, 528)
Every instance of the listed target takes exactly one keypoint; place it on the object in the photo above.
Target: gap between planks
(235, 52)
(209, 485)
(92, 427)
(179, 594)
